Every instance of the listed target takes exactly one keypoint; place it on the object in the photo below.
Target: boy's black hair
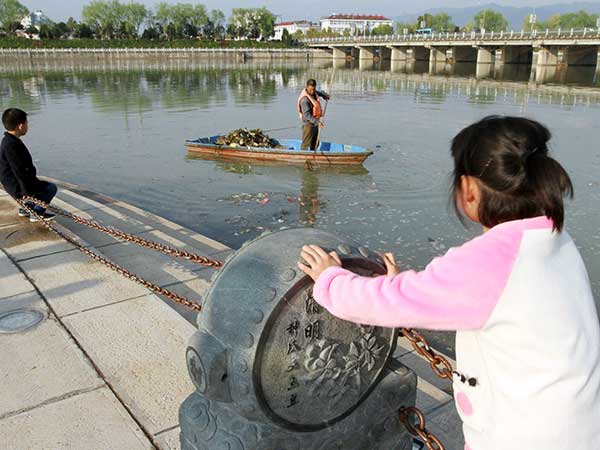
(12, 118)
(518, 179)
(311, 82)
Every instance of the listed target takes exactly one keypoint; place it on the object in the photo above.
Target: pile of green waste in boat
(248, 138)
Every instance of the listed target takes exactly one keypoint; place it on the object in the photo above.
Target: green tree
(214, 28)
(60, 30)
(400, 27)
(251, 23)
(11, 11)
(382, 30)
(102, 17)
(133, 15)
(490, 20)
(442, 22)
(579, 19)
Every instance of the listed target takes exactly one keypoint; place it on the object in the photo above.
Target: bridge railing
(586, 33)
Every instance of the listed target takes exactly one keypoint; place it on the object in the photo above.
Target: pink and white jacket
(527, 336)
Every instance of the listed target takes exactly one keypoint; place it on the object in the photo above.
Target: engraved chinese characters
(328, 365)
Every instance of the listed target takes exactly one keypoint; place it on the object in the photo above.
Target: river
(119, 129)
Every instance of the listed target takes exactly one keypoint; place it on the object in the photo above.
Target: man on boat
(310, 111)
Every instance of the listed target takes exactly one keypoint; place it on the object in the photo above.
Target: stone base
(373, 425)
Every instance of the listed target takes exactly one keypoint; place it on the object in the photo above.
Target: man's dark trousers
(310, 134)
(46, 195)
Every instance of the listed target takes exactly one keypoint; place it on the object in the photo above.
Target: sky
(59, 10)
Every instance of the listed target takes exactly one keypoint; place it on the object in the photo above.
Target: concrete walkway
(106, 368)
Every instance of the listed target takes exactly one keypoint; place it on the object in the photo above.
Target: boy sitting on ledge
(17, 172)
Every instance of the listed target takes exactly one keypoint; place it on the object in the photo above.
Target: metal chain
(419, 343)
(438, 363)
(120, 270)
(202, 260)
(442, 368)
(419, 429)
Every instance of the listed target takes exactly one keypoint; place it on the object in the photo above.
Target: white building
(356, 24)
(292, 28)
(36, 19)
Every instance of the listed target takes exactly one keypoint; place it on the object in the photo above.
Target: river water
(119, 128)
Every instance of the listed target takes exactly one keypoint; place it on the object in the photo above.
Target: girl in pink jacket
(518, 296)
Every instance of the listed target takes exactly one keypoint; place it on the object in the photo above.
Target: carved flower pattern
(333, 376)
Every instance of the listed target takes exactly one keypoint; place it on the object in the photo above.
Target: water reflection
(144, 86)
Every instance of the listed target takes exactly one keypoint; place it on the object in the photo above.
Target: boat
(288, 151)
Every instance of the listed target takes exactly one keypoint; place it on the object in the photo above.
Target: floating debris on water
(248, 138)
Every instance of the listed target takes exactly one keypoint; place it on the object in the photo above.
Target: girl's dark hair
(518, 179)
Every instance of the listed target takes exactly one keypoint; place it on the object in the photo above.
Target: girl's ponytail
(518, 179)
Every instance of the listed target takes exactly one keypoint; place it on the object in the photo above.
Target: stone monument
(275, 371)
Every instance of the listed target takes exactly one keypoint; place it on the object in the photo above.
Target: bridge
(549, 48)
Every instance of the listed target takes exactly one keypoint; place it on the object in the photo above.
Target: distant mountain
(514, 14)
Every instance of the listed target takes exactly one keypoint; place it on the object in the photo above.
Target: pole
(325, 110)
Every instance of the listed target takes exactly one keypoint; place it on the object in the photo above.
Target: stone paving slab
(72, 282)
(169, 440)
(41, 363)
(423, 370)
(446, 425)
(12, 281)
(150, 264)
(139, 346)
(89, 421)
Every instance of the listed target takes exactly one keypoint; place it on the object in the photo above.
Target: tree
(382, 30)
(83, 31)
(133, 15)
(100, 16)
(579, 19)
(214, 28)
(400, 27)
(60, 30)
(490, 20)
(32, 30)
(251, 23)
(11, 11)
(442, 22)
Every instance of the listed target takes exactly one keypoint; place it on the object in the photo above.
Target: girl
(519, 297)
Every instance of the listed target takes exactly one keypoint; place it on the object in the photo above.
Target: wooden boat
(289, 151)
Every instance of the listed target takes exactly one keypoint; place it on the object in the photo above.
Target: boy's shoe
(46, 216)
(23, 212)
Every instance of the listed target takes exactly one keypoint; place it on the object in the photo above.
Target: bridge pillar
(338, 53)
(484, 55)
(598, 63)
(366, 53)
(437, 56)
(547, 57)
(398, 53)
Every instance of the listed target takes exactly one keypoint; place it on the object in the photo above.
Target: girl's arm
(457, 291)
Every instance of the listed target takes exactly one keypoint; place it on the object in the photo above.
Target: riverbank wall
(239, 55)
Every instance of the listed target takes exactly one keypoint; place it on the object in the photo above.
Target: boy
(17, 172)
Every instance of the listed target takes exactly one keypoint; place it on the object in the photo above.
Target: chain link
(202, 260)
(438, 363)
(120, 270)
(419, 429)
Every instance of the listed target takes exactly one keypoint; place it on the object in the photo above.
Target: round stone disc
(313, 369)
(20, 320)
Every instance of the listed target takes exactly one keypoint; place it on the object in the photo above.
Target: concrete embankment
(239, 55)
(106, 369)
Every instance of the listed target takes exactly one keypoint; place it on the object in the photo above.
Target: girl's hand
(390, 264)
(317, 261)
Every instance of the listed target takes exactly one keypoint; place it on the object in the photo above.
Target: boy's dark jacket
(17, 172)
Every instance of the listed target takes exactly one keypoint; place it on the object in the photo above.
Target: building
(35, 19)
(292, 28)
(355, 24)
